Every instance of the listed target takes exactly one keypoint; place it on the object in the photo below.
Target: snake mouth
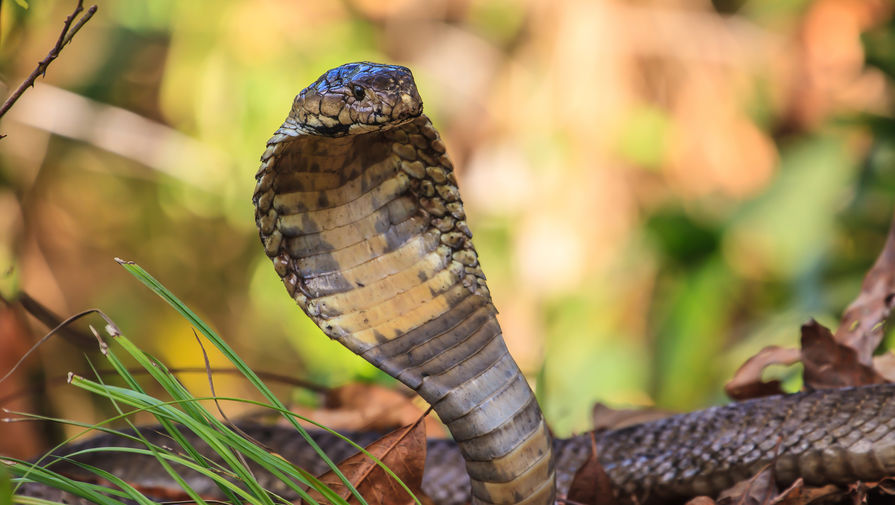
(408, 106)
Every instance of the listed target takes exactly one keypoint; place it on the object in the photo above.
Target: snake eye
(359, 92)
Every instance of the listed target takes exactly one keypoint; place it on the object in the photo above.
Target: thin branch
(68, 32)
(49, 319)
(112, 328)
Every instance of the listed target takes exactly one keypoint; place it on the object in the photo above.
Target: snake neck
(369, 236)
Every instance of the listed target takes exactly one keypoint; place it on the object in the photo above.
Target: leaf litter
(830, 360)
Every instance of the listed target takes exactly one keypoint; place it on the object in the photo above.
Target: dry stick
(50, 319)
(68, 31)
(217, 404)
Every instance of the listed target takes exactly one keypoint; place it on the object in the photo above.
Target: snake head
(357, 98)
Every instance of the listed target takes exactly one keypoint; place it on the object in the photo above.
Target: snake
(358, 208)
(837, 436)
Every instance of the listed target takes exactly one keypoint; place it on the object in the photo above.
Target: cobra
(358, 208)
(359, 211)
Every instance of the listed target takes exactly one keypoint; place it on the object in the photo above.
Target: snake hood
(358, 98)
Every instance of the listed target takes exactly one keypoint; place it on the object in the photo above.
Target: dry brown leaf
(829, 364)
(884, 364)
(862, 323)
(858, 491)
(607, 418)
(747, 383)
(886, 486)
(403, 451)
(701, 500)
(840, 360)
(760, 489)
(861, 491)
(591, 485)
(369, 407)
(800, 494)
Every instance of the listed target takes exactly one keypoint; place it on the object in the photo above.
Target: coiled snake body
(359, 210)
(834, 436)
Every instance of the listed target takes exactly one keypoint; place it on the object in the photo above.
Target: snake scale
(358, 209)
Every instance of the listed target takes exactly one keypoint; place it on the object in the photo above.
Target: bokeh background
(657, 188)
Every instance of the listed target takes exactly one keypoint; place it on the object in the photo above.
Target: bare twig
(49, 319)
(112, 327)
(68, 32)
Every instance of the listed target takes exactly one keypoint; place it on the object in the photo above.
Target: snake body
(831, 436)
(358, 209)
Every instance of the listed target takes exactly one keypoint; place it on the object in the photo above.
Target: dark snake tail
(358, 208)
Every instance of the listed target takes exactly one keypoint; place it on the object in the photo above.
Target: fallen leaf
(860, 491)
(369, 407)
(747, 383)
(591, 485)
(800, 494)
(886, 486)
(840, 360)
(760, 489)
(607, 418)
(701, 500)
(829, 364)
(884, 364)
(403, 451)
(861, 327)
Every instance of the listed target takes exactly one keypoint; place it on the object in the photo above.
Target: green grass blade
(5, 486)
(85, 490)
(154, 285)
(125, 487)
(221, 442)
